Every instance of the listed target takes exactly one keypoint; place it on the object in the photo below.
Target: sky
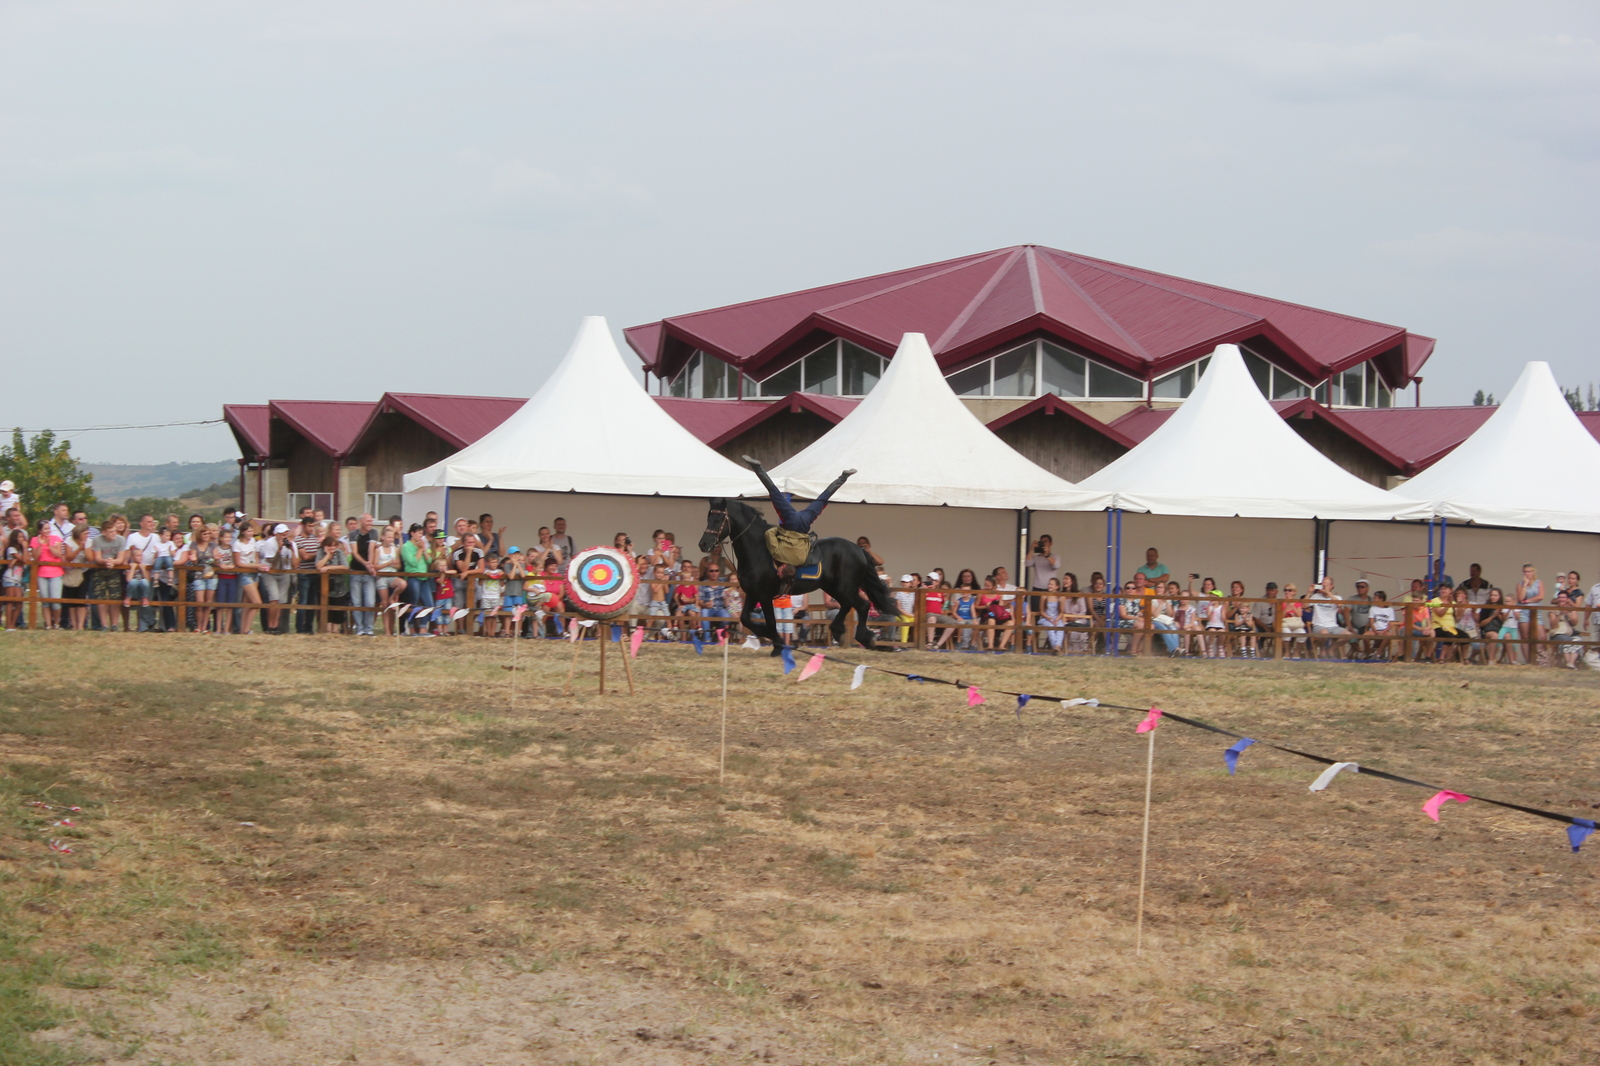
(204, 203)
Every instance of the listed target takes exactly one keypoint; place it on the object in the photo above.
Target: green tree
(45, 473)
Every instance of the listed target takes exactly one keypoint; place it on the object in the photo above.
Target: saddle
(791, 549)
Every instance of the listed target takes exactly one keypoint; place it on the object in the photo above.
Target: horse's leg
(836, 627)
(747, 618)
(772, 627)
(864, 635)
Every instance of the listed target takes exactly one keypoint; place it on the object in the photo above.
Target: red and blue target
(601, 582)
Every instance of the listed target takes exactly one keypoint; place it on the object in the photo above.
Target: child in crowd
(515, 595)
(1382, 621)
(491, 592)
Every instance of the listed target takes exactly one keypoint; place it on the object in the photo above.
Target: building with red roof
(1018, 323)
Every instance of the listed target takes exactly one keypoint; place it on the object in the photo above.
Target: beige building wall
(1252, 550)
(1389, 554)
(275, 493)
(908, 538)
(352, 491)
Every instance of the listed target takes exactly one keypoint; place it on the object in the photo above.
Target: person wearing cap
(1359, 615)
(276, 560)
(9, 497)
(1264, 617)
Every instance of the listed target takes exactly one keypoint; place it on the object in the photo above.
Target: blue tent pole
(1110, 545)
(1116, 648)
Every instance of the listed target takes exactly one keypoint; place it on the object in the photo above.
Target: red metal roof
(1054, 405)
(1141, 320)
(710, 420)
(457, 420)
(252, 427)
(831, 409)
(332, 425)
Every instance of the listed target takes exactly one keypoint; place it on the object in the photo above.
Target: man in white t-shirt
(143, 547)
(1327, 618)
(9, 497)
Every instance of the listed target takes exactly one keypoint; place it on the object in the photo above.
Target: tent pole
(1110, 522)
(1116, 648)
(1024, 536)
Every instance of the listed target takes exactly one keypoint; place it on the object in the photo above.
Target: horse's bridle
(721, 532)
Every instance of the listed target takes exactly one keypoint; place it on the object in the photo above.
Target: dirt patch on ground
(325, 827)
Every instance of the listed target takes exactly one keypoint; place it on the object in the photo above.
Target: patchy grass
(876, 875)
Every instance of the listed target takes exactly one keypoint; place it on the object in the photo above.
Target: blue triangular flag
(616, 634)
(1022, 701)
(914, 677)
(1579, 831)
(788, 657)
(1233, 753)
(699, 645)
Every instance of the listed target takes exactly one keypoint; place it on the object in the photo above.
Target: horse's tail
(878, 592)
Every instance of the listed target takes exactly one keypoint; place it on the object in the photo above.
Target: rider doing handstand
(789, 518)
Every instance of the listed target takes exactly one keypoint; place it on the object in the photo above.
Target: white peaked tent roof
(590, 428)
(915, 442)
(1226, 452)
(1531, 464)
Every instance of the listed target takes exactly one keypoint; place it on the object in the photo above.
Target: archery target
(601, 582)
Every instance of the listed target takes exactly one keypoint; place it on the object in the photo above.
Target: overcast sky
(233, 202)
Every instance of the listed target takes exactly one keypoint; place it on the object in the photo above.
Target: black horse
(847, 573)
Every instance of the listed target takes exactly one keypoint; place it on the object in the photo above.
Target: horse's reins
(721, 532)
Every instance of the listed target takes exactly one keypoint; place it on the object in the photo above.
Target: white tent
(915, 442)
(1225, 453)
(1531, 464)
(590, 428)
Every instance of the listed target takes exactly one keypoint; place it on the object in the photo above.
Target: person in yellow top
(1446, 635)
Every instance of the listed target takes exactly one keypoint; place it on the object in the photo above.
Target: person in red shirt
(554, 584)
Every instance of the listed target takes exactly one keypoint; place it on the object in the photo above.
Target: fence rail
(1115, 624)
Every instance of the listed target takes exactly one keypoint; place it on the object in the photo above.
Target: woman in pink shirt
(45, 549)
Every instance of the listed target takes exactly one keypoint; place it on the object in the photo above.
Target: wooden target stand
(602, 637)
(601, 583)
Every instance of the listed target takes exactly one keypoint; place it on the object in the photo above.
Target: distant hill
(116, 482)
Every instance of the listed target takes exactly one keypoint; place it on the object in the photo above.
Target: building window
(1180, 383)
(1274, 382)
(383, 505)
(317, 501)
(838, 368)
(1040, 367)
(705, 377)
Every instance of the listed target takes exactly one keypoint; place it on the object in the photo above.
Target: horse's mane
(746, 516)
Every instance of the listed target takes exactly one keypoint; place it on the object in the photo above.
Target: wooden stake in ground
(722, 752)
(1149, 727)
(577, 642)
(602, 633)
(516, 631)
(627, 665)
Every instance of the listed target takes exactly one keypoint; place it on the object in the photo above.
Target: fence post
(322, 605)
(33, 597)
(1530, 643)
(1278, 639)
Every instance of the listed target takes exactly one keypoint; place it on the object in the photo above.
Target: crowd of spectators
(244, 575)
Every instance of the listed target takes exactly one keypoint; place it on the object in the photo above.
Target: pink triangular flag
(811, 667)
(517, 612)
(1437, 800)
(638, 639)
(1151, 720)
(572, 629)
(722, 635)
(974, 697)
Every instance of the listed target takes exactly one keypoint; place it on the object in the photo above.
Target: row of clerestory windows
(1035, 368)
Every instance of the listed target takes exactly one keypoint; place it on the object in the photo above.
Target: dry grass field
(309, 850)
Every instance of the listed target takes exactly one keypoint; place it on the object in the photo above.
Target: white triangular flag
(752, 641)
(859, 676)
(1080, 703)
(458, 614)
(1326, 777)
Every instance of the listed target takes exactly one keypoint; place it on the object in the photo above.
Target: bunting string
(1578, 829)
